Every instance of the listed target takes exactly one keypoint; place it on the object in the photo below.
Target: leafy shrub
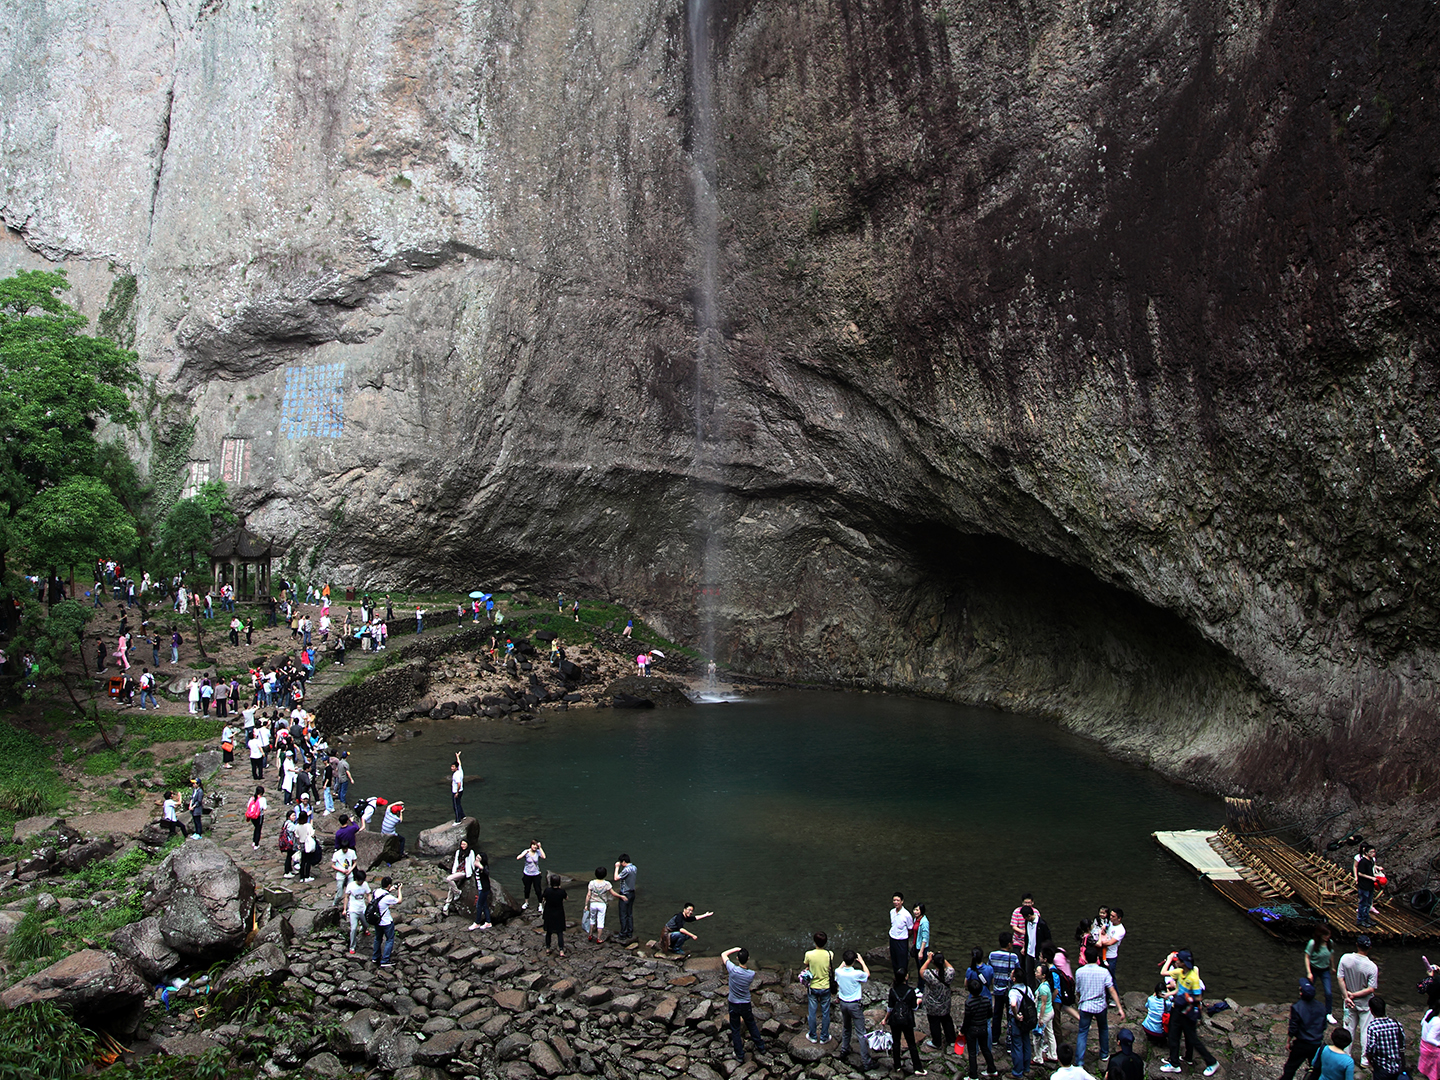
(41, 1042)
(103, 762)
(29, 782)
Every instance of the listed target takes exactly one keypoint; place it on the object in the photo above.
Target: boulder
(444, 840)
(267, 960)
(384, 732)
(545, 1060)
(661, 693)
(99, 989)
(34, 826)
(144, 945)
(154, 836)
(9, 920)
(372, 849)
(442, 1047)
(186, 1045)
(804, 1051)
(206, 764)
(82, 855)
(513, 1047)
(203, 900)
(425, 704)
(390, 1049)
(325, 1064)
(277, 932)
(354, 1035)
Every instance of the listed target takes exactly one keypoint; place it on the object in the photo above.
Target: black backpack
(372, 909)
(1028, 1018)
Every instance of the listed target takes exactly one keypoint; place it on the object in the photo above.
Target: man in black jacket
(1307, 1029)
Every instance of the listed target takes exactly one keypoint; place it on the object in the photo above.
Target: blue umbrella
(477, 595)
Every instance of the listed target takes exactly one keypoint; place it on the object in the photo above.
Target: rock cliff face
(1075, 356)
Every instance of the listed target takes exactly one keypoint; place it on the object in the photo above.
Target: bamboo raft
(1291, 892)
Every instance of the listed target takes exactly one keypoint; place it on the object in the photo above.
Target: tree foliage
(57, 385)
(186, 534)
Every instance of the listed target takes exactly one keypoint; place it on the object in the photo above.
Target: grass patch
(103, 762)
(159, 729)
(29, 781)
(29, 941)
(42, 1042)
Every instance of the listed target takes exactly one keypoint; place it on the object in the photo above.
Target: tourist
(342, 862)
(1156, 1006)
(629, 628)
(1319, 964)
(147, 688)
(675, 932)
(975, 1025)
(457, 788)
(1126, 1065)
(919, 936)
(255, 814)
(819, 965)
(170, 814)
(1044, 1035)
(462, 868)
(1306, 1030)
(900, 1008)
(235, 627)
(597, 895)
(175, 642)
(1184, 1015)
(385, 932)
(1110, 941)
(1092, 985)
(1068, 1069)
(289, 772)
(1020, 1001)
(985, 975)
(553, 921)
(625, 885)
(1336, 1062)
(1028, 933)
(207, 695)
(346, 833)
(936, 977)
(227, 747)
(100, 657)
(1429, 1064)
(419, 620)
(1359, 980)
(305, 845)
(394, 814)
(365, 810)
(738, 1000)
(1005, 968)
(901, 923)
(481, 921)
(1365, 873)
(1384, 1043)
(197, 807)
(343, 777)
(848, 980)
(192, 694)
(530, 873)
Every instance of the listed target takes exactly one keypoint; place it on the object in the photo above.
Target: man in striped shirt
(1007, 967)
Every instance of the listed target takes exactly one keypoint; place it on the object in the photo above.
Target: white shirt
(1430, 1030)
(343, 861)
(1117, 931)
(357, 892)
(457, 781)
(256, 747)
(901, 922)
(1071, 1072)
(468, 866)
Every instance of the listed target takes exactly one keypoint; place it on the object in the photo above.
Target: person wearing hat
(388, 824)
(1126, 1064)
(1359, 980)
(1185, 1014)
(1307, 1029)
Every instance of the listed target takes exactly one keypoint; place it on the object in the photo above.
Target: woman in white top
(170, 814)
(194, 695)
(597, 896)
(288, 772)
(461, 868)
(1429, 1064)
(357, 895)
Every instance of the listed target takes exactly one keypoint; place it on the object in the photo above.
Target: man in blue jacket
(1307, 1029)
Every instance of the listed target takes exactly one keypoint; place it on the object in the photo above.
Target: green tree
(57, 385)
(188, 531)
(68, 524)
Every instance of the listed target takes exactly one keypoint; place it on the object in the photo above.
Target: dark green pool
(804, 811)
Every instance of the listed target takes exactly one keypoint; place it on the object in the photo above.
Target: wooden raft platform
(1290, 892)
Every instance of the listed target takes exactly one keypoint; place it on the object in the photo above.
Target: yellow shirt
(1190, 980)
(818, 961)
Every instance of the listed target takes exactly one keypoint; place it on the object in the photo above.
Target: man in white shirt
(1110, 940)
(385, 932)
(1068, 1069)
(1359, 979)
(457, 788)
(901, 923)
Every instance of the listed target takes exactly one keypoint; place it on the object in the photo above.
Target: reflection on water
(805, 811)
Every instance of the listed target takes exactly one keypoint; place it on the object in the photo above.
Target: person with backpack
(357, 898)
(286, 843)
(1092, 985)
(306, 847)
(379, 913)
(147, 689)
(255, 814)
(900, 1009)
(936, 975)
(1306, 1030)
(1024, 1015)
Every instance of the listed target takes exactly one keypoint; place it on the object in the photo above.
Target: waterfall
(709, 347)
